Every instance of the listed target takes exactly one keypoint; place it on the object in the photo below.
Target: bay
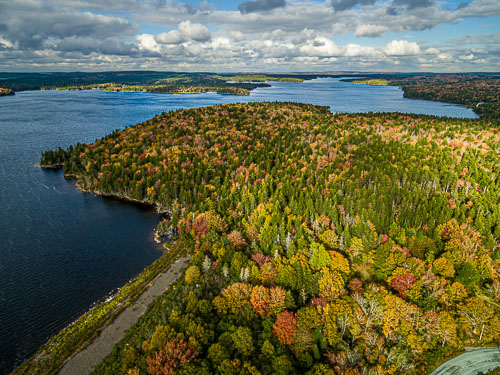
(60, 249)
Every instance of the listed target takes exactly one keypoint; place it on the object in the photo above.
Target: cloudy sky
(250, 35)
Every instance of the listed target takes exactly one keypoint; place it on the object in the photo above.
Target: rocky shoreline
(156, 235)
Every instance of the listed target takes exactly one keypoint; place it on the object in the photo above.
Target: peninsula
(319, 243)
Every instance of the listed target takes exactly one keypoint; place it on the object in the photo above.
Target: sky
(250, 36)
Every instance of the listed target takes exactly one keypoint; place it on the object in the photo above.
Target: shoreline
(114, 195)
(117, 196)
(88, 327)
(103, 312)
(86, 359)
(364, 82)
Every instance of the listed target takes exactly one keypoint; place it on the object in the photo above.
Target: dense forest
(320, 243)
(81, 80)
(170, 88)
(481, 93)
(176, 85)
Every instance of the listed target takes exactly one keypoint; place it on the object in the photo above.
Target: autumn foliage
(318, 242)
(169, 360)
(284, 327)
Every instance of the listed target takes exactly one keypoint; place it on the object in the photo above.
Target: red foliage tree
(403, 282)
(261, 259)
(200, 226)
(171, 358)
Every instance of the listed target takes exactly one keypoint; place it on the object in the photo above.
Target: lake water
(60, 249)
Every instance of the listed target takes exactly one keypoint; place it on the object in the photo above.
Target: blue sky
(252, 35)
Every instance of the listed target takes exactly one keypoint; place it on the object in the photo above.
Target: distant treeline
(480, 92)
(38, 81)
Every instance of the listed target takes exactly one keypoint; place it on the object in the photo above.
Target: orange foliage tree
(268, 301)
(285, 326)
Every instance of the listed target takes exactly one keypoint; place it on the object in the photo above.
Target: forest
(85, 81)
(320, 243)
(481, 93)
(175, 85)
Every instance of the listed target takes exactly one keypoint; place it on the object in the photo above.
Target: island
(144, 81)
(6, 92)
(373, 82)
(175, 85)
(319, 243)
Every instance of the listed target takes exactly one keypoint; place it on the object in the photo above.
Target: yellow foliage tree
(237, 296)
(339, 263)
(330, 284)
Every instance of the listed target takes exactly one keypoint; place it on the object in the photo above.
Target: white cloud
(468, 57)
(320, 47)
(402, 48)
(6, 43)
(172, 37)
(355, 50)
(301, 36)
(221, 44)
(431, 51)
(195, 31)
(445, 57)
(370, 30)
(148, 42)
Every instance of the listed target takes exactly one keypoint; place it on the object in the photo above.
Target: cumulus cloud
(355, 50)
(401, 48)
(445, 57)
(302, 35)
(320, 47)
(148, 42)
(194, 31)
(431, 51)
(172, 37)
(468, 57)
(260, 5)
(237, 36)
(370, 30)
(30, 23)
(340, 5)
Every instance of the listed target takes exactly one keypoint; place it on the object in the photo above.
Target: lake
(62, 250)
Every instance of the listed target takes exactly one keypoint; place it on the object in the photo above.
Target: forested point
(6, 92)
(373, 82)
(320, 243)
(481, 93)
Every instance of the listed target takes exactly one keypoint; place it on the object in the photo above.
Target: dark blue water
(60, 249)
